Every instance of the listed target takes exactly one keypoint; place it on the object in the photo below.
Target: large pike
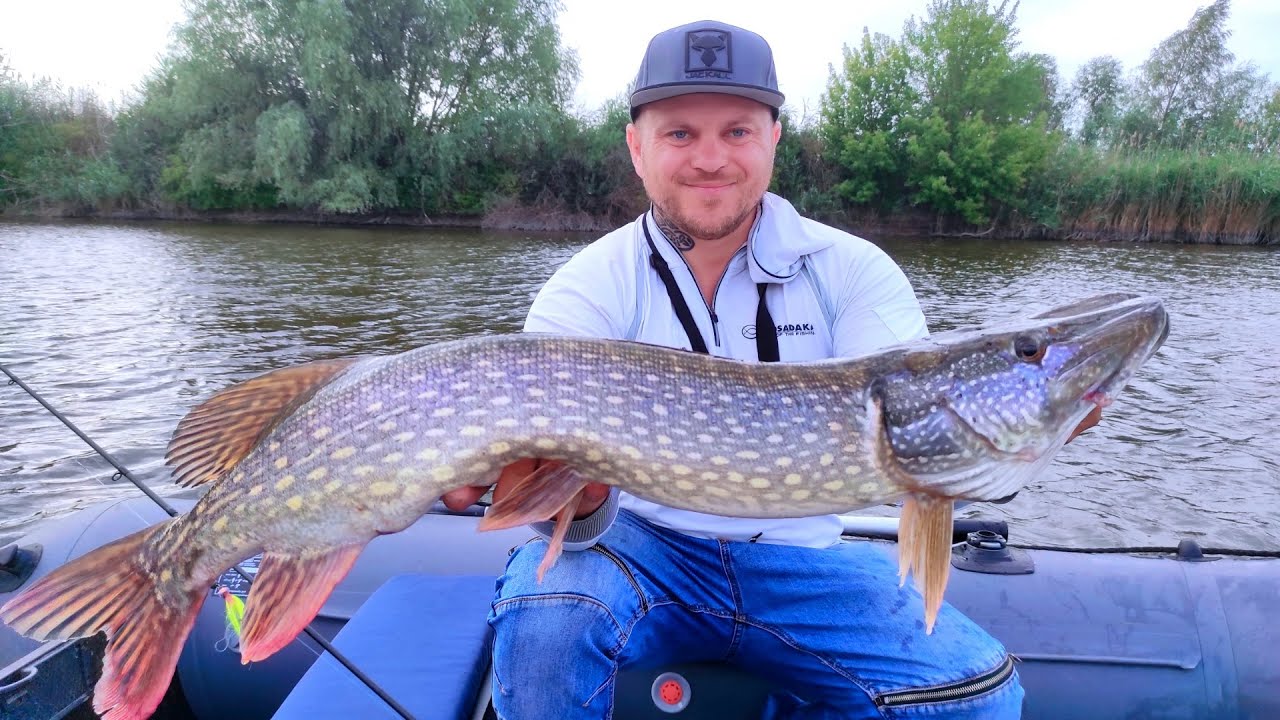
(308, 464)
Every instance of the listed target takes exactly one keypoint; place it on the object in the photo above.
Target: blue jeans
(830, 625)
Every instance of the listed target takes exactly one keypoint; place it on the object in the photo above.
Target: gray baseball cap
(707, 57)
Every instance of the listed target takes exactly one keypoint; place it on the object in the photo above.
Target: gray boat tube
(1095, 635)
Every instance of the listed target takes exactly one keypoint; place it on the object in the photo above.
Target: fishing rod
(122, 471)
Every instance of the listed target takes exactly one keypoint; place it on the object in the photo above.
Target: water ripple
(125, 327)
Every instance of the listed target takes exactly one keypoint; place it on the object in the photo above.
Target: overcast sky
(110, 46)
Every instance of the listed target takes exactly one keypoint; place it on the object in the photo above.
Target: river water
(125, 327)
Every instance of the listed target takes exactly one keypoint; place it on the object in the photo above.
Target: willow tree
(1095, 98)
(1191, 92)
(347, 105)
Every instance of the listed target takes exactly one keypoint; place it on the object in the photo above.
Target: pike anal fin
(924, 549)
(147, 620)
(286, 595)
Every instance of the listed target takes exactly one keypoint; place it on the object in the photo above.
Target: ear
(777, 132)
(633, 145)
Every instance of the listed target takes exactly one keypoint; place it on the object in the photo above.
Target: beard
(711, 222)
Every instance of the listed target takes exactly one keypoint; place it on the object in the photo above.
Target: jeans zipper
(635, 584)
(953, 691)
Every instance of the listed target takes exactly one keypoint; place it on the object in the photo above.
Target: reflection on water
(125, 327)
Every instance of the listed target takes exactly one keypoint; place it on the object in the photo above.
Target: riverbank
(513, 218)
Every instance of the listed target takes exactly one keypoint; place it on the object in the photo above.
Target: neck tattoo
(681, 239)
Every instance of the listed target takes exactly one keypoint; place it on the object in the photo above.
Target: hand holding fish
(1093, 418)
(593, 494)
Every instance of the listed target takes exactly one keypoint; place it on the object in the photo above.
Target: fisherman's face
(705, 159)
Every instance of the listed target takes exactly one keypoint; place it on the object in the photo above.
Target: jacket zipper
(635, 584)
(952, 691)
(715, 319)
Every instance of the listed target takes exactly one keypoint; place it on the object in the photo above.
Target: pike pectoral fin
(287, 594)
(539, 496)
(556, 546)
(219, 432)
(109, 590)
(924, 549)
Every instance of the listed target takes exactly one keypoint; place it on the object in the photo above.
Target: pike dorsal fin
(222, 430)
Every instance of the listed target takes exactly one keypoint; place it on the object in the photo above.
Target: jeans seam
(625, 629)
(613, 676)
(618, 629)
(560, 596)
(735, 592)
(793, 644)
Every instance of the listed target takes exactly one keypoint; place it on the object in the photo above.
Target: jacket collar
(779, 241)
(776, 244)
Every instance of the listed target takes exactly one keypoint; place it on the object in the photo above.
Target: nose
(710, 154)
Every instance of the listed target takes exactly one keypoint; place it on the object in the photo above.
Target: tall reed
(1169, 195)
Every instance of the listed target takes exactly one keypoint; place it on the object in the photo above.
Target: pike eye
(1030, 349)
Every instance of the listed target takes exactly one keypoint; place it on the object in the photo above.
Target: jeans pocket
(536, 638)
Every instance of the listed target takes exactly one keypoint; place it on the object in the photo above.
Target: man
(715, 266)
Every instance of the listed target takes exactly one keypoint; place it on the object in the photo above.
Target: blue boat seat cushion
(423, 638)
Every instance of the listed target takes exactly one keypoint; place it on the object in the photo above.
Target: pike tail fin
(924, 549)
(147, 620)
(286, 594)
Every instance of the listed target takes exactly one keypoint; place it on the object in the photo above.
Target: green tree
(951, 113)
(1190, 92)
(1095, 98)
(862, 119)
(986, 130)
(340, 105)
(1267, 139)
(803, 171)
(54, 146)
(11, 118)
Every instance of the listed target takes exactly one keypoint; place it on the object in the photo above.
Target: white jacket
(835, 295)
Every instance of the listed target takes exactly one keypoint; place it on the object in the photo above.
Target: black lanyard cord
(673, 291)
(766, 331)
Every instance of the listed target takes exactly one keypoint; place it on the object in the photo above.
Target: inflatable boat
(1145, 633)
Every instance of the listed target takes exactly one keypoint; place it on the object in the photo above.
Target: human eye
(679, 134)
(739, 133)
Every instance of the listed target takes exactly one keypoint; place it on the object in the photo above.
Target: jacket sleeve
(585, 532)
(876, 307)
(587, 298)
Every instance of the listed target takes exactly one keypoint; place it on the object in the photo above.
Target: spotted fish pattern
(308, 464)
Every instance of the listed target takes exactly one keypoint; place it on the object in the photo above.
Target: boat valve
(17, 564)
(988, 552)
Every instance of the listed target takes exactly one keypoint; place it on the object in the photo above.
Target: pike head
(976, 413)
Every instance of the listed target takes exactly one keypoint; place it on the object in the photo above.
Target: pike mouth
(1101, 398)
(1137, 349)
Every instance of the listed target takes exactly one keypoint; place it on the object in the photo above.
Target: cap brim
(662, 92)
